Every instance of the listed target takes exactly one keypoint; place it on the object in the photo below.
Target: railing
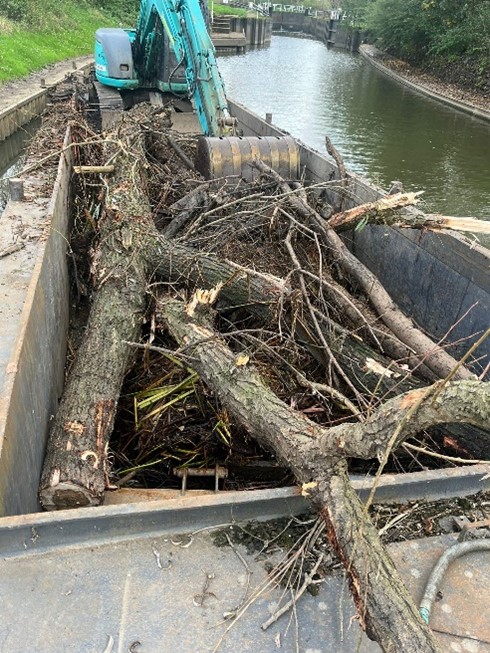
(262, 9)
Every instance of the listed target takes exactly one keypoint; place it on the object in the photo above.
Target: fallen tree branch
(382, 211)
(384, 606)
(75, 468)
(386, 211)
(439, 361)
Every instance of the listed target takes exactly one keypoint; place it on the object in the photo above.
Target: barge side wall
(35, 359)
(421, 269)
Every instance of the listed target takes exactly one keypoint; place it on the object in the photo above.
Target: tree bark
(384, 607)
(74, 472)
(430, 354)
(317, 455)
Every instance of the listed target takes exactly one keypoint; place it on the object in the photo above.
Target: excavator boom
(133, 59)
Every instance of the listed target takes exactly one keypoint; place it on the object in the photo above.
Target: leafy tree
(355, 10)
(417, 29)
(401, 26)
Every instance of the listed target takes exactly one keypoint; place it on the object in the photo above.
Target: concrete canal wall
(332, 32)
(257, 31)
(377, 57)
(15, 112)
(227, 30)
(15, 117)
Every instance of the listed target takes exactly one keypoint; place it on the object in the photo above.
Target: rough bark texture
(75, 465)
(465, 402)
(428, 353)
(74, 472)
(384, 605)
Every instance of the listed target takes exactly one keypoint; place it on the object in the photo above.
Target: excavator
(170, 51)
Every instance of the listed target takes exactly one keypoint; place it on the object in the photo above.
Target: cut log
(379, 212)
(185, 209)
(259, 295)
(315, 455)
(74, 472)
(75, 465)
(89, 170)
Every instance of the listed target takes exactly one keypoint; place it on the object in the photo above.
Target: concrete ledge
(371, 54)
(230, 41)
(34, 102)
(15, 117)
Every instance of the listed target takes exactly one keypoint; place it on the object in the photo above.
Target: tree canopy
(418, 29)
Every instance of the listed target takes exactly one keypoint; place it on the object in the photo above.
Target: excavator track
(109, 103)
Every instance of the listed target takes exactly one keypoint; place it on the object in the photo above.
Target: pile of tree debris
(254, 304)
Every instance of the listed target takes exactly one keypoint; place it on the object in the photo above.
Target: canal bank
(453, 96)
(384, 130)
(24, 99)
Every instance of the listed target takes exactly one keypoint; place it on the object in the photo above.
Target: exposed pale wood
(87, 170)
(382, 210)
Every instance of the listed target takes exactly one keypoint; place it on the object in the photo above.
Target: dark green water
(383, 130)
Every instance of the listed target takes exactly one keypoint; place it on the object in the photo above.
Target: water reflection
(383, 130)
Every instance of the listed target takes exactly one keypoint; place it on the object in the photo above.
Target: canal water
(383, 130)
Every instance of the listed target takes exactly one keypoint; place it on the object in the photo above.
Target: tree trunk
(74, 471)
(383, 603)
(384, 607)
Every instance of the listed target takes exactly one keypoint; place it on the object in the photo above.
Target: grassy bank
(226, 10)
(34, 34)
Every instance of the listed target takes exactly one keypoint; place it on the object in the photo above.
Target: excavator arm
(140, 59)
(132, 59)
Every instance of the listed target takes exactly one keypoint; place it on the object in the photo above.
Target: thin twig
(440, 456)
(307, 582)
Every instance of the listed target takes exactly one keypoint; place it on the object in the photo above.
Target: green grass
(225, 10)
(35, 33)
(70, 33)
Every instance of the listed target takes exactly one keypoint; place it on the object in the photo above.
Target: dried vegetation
(293, 347)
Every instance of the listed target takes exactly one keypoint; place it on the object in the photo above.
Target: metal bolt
(184, 472)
